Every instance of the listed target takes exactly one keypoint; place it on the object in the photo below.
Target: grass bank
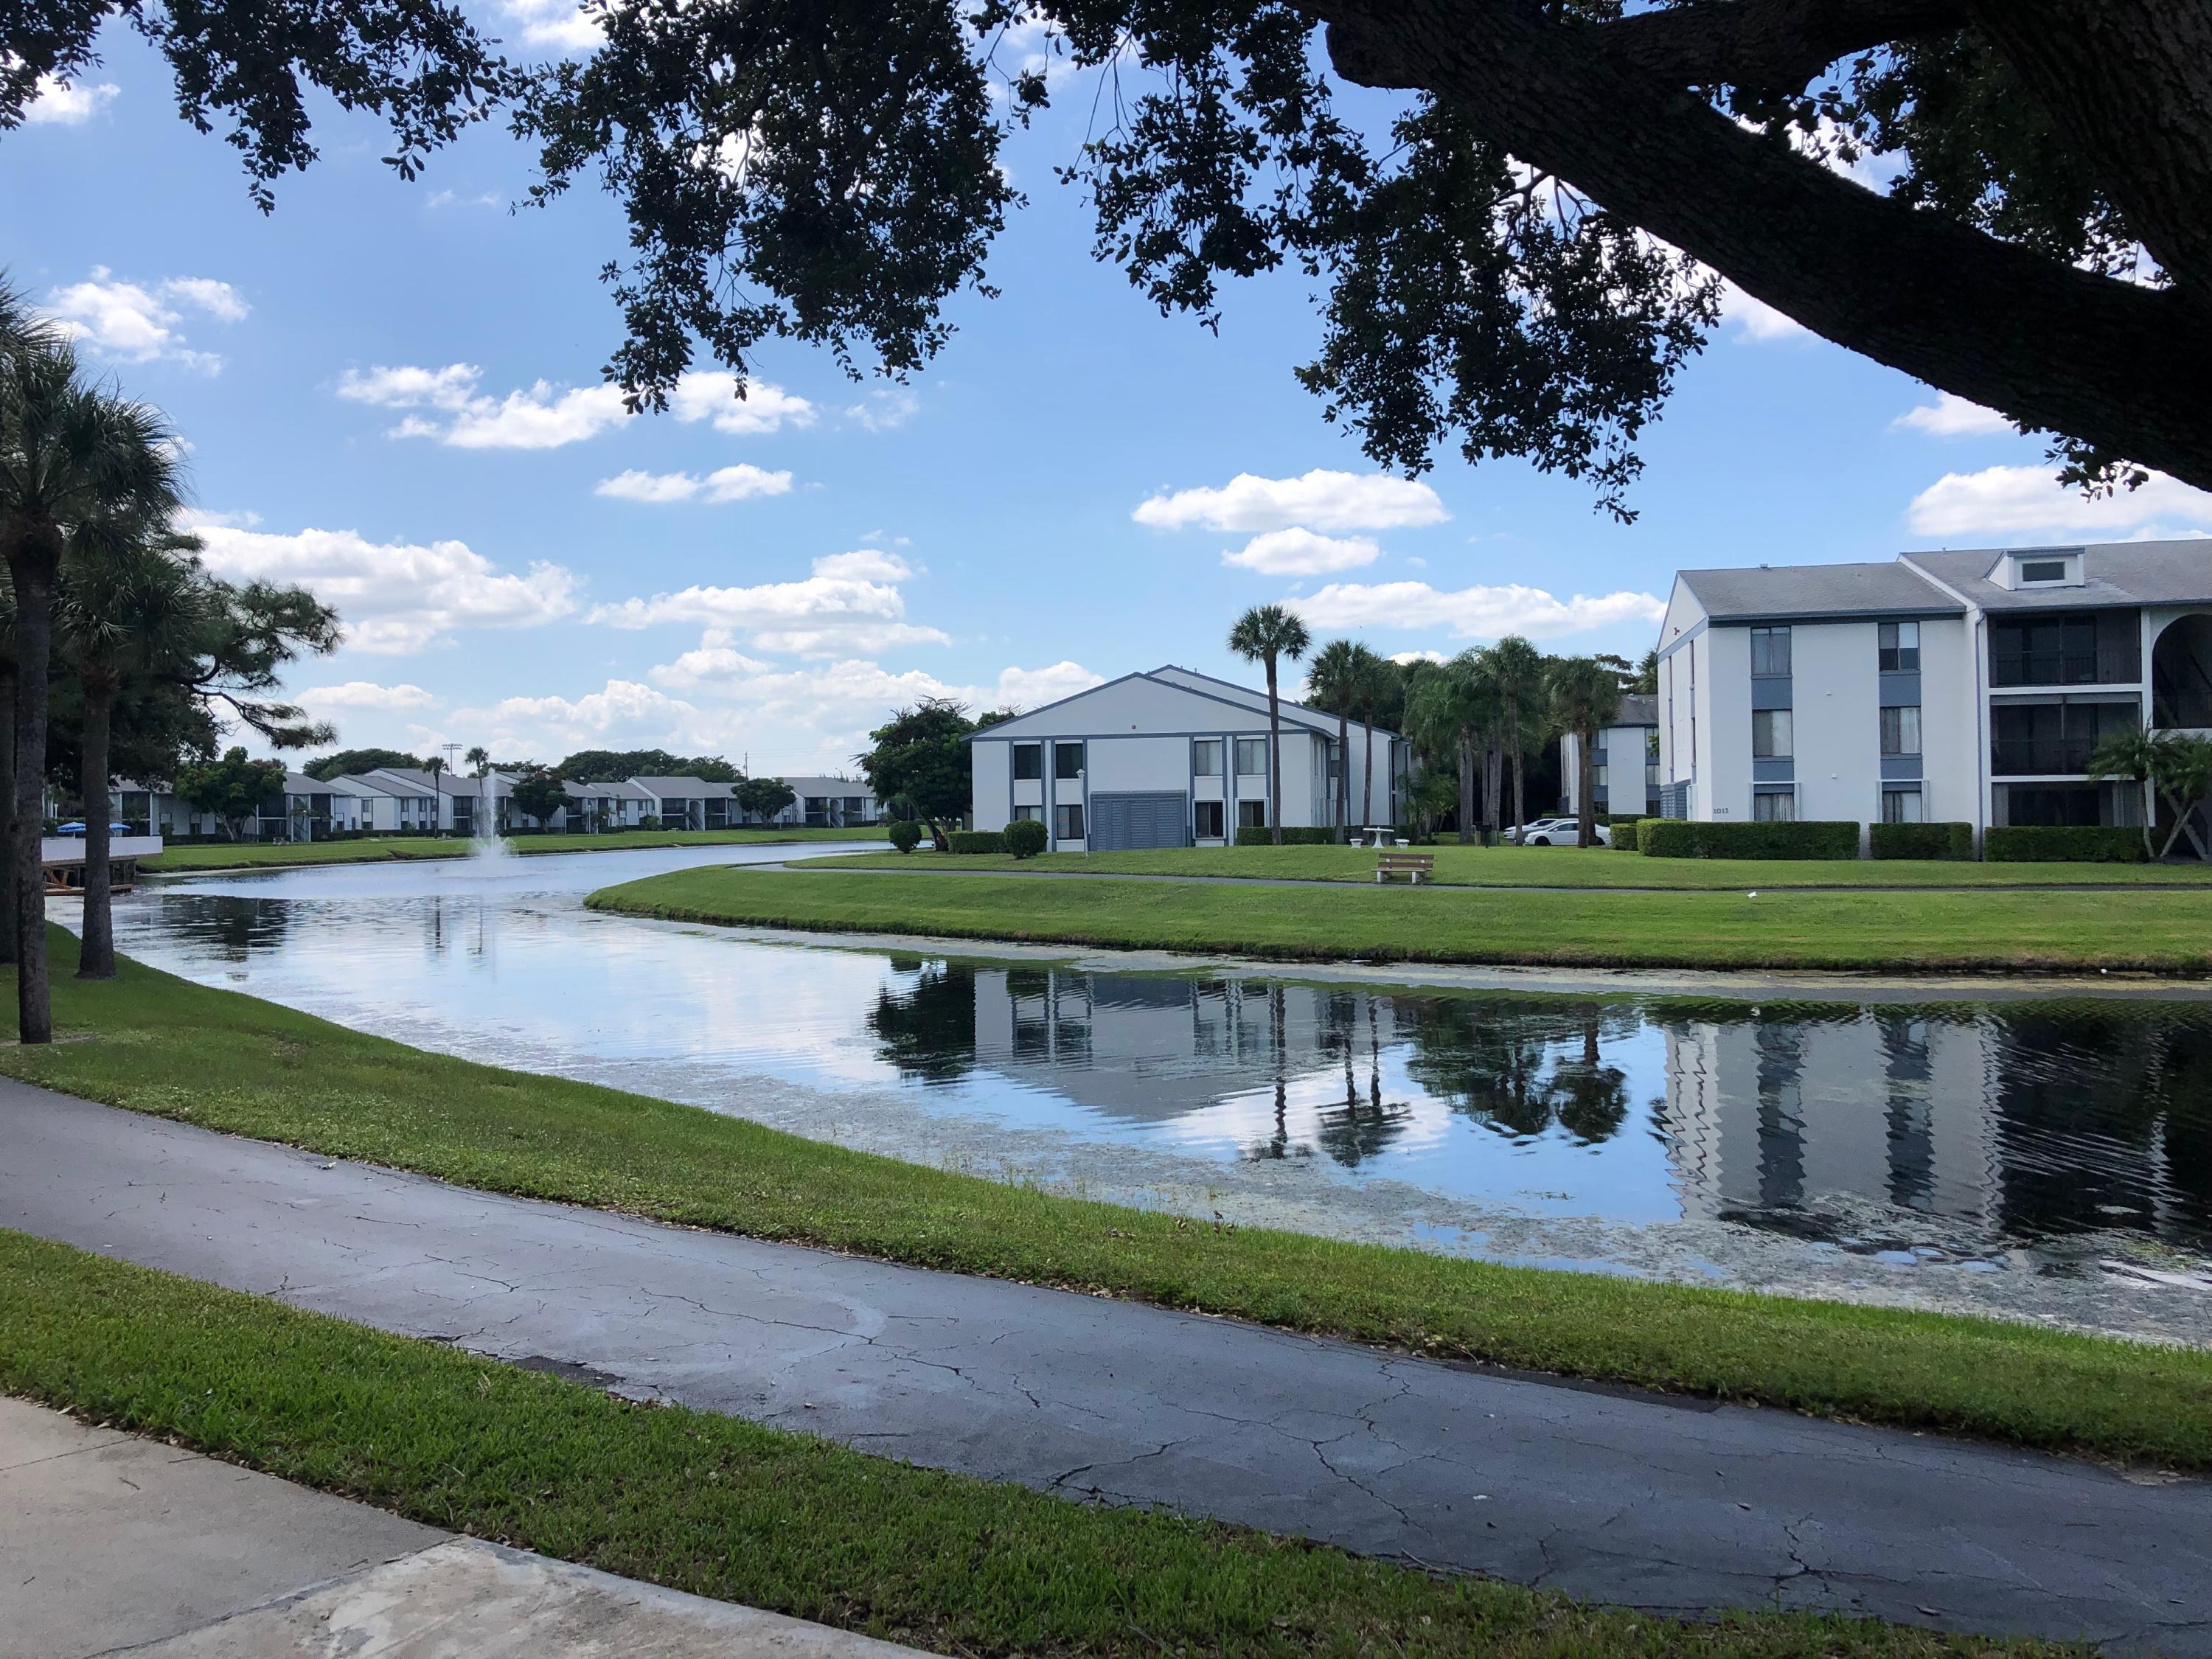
(722, 1507)
(157, 1044)
(1566, 866)
(2156, 932)
(263, 855)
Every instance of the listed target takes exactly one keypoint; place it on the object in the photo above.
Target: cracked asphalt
(1607, 1494)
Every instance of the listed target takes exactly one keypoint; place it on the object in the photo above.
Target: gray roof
(398, 780)
(683, 789)
(843, 788)
(1804, 590)
(2113, 574)
(1638, 708)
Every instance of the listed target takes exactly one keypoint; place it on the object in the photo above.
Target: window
(1771, 736)
(2043, 570)
(1067, 823)
(1067, 760)
(1033, 814)
(1769, 651)
(1205, 825)
(1251, 757)
(1206, 757)
(1251, 815)
(1029, 761)
(1603, 773)
(1900, 806)
(1899, 647)
(1900, 734)
(1774, 806)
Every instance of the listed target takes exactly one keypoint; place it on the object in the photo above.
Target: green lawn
(1569, 867)
(230, 1062)
(720, 1507)
(2162, 931)
(233, 855)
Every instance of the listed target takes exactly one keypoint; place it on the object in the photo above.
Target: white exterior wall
(1118, 765)
(1723, 711)
(1953, 750)
(993, 765)
(1835, 687)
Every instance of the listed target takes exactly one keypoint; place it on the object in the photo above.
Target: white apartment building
(1170, 758)
(1627, 762)
(1957, 686)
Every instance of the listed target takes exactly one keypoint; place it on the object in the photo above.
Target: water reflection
(2020, 1123)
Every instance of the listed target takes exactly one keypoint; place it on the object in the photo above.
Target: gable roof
(683, 789)
(1188, 682)
(1803, 591)
(2177, 572)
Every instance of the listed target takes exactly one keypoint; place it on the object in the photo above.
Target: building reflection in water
(2020, 1121)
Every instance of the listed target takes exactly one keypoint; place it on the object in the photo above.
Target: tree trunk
(1274, 760)
(34, 562)
(1586, 788)
(1495, 789)
(9, 894)
(1367, 763)
(1466, 786)
(2113, 363)
(1520, 798)
(96, 954)
(1343, 771)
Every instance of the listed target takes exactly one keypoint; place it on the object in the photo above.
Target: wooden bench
(1414, 866)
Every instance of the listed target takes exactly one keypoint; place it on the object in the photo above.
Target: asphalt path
(1675, 1505)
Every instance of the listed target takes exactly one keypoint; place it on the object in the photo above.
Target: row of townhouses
(398, 800)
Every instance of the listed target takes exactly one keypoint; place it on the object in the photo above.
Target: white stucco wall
(993, 762)
(1723, 717)
(1952, 760)
(1837, 686)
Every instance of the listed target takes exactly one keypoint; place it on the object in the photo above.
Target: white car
(1556, 832)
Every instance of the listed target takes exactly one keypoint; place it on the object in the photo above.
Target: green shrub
(1679, 838)
(1921, 840)
(1025, 838)
(2047, 844)
(905, 833)
(976, 840)
(1623, 835)
(1300, 836)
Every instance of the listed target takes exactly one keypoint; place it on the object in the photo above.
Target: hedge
(2047, 844)
(1921, 840)
(1025, 838)
(1298, 836)
(1680, 838)
(905, 833)
(976, 840)
(1623, 835)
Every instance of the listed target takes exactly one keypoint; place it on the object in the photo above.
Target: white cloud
(1403, 658)
(446, 198)
(850, 604)
(712, 394)
(367, 694)
(543, 416)
(1301, 553)
(1472, 613)
(2002, 500)
(1033, 688)
(560, 24)
(622, 715)
(1758, 323)
(1321, 500)
(69, 104)
(139, 324)
(884, 411)
(864, 564)
(394, 597)
(728, 483)
(1951, 416)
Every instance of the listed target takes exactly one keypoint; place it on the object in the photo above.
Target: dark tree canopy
(613, 765)
(1515, 260)
(347, 762)
(919, 760)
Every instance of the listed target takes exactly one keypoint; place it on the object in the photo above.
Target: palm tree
(435, 766)
(2178, 769)
(1456, 710)
(68, 453)
(1517, 667)
(1267, 633)
(1373, 679)
(487, 822)
(129, 606)
(1333, 685)
(1585, 699)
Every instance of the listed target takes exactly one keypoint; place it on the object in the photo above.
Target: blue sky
(391, 392)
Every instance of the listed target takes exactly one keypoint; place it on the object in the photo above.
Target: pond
(2047, 1160)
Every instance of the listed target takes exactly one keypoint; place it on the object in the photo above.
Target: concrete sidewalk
(1677, 1506)
(109, 1542)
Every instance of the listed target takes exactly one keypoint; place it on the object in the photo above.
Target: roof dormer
(2028, 569)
